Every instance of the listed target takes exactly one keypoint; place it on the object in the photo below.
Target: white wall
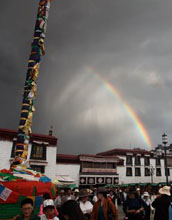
(5, 154)
(72, 170)
(50, 168)
(121, 170)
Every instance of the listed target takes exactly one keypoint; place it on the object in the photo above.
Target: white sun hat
(165, 191)
(146, 194)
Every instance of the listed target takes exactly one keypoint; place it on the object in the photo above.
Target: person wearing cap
(45, 197)
(148, 207)
(76, 193)
(103, 209)
(162, 203)
(49, 210)
(85, 205)
(134, 206)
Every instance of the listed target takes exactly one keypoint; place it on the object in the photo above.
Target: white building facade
(41, 151)
(140, 166)
(111, 167)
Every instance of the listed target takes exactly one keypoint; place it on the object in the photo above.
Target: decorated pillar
(30, 88)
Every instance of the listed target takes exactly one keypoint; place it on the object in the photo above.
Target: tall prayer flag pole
(30, 88)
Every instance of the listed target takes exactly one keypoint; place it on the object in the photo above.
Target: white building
(141, 166)
(110, 167)
(89, 170)
(41, 151)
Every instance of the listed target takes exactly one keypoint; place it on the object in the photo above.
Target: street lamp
(165, 141)
(151, 172)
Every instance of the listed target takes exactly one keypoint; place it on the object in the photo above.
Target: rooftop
(118, 151)
(9, 135)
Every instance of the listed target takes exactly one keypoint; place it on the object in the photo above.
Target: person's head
(138, 191)
(146, 195)
(48, 208)
(68, 192)
(46, 196)
(62, 192)
(111, 193)
(72, 211)
(27, 207)
(83, 195)
(132, 194)
(101, 193)
(76, 192)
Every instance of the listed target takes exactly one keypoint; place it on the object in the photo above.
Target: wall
(5, 154)
(50, 168)
(121, 170)
(72, 170)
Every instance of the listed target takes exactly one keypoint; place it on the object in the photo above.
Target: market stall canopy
(65, 179)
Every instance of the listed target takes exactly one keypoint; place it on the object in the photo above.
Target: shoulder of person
(18, 217)
(43, 217)
(36, 217)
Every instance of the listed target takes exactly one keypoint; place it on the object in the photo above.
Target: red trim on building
(67, 159)
(9, 135)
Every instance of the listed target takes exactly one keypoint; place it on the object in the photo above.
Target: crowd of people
(101, 204)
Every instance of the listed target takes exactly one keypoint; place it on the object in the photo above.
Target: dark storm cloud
(128, 42)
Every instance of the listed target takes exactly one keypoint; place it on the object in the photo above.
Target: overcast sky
(128, 42)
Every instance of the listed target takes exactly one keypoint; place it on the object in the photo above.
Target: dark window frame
(138, 160)
(130, 173)
(44, 151)
(158, 172)
(129, 161)
(158, 161)
(147, 172)
(138, 169)
(167, 171)
(147, 161)
(42, 168)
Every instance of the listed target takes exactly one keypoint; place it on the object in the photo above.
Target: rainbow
(139, 125)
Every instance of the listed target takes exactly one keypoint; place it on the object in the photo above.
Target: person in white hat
(48, 210)
(148, 207)
(161, 204)
(76, 192)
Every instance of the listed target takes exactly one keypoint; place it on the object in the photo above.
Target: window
(147, 172)
(129, 160)
(87, 165)
(111, 165)
(167, 172)
(100, 165)
(137, 172)
(158, 171)
(38, 151)
(129, 171)
(40, 169)
(147, 161)
(137, 160)
(158, 162)
(13, 149)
